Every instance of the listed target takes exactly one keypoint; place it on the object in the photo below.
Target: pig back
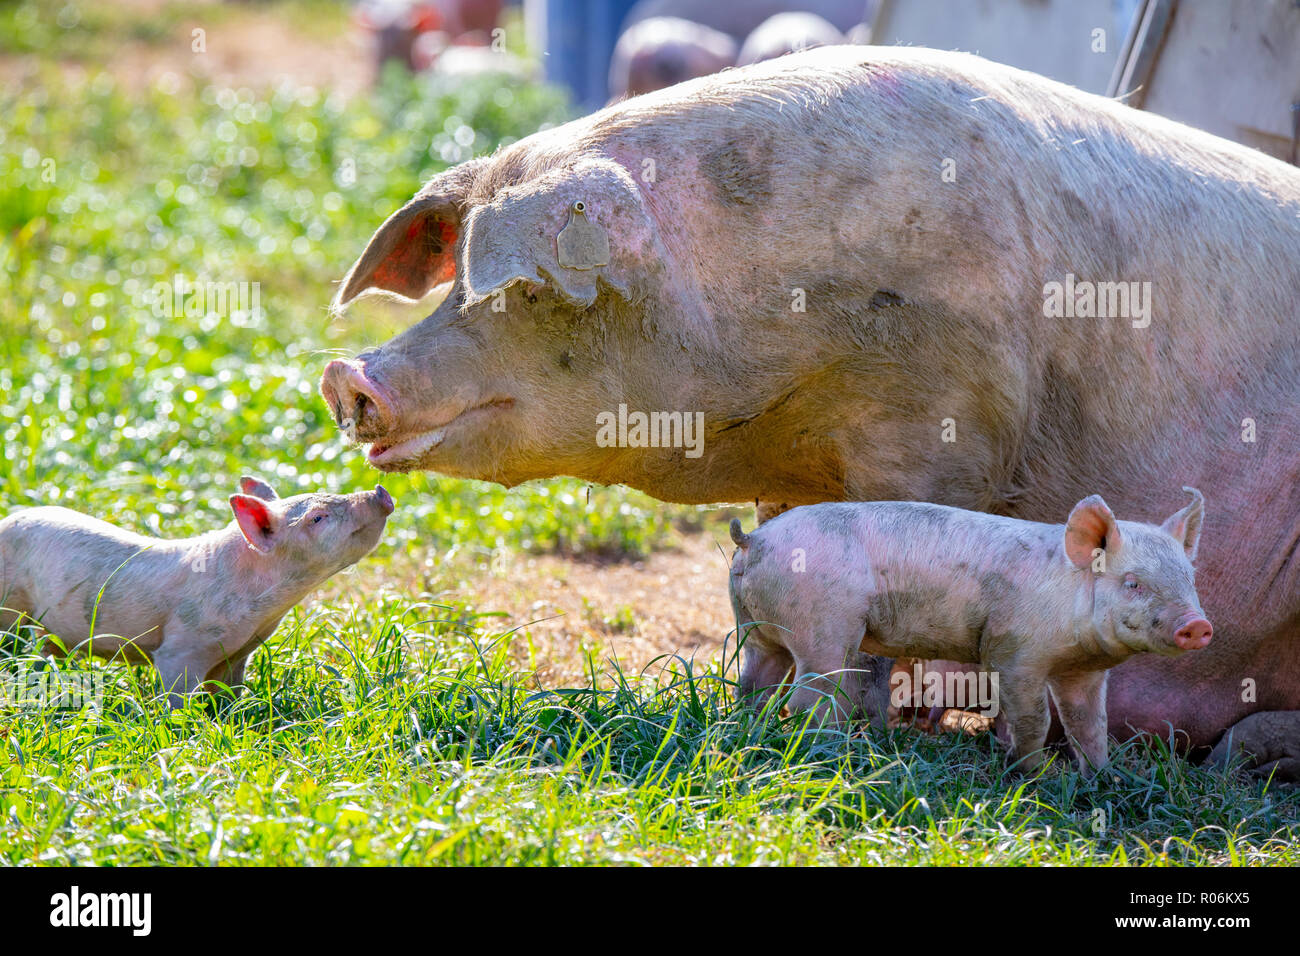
(66, 569)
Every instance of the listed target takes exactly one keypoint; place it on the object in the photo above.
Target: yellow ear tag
(582, 244)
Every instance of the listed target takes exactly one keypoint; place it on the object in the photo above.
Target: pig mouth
(405, 452)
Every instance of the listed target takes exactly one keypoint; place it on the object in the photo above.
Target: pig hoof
(1269, 742)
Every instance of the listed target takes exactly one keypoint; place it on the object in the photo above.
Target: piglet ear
(257, 488)
(256, 521)
(1091, 526)
(1185, 525)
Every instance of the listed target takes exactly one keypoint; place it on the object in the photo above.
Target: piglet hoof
(1263, 746)
(1087, 769)
(767, 510)
(966, 722)
(1029, 765)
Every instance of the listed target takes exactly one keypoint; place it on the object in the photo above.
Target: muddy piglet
(195, 607)
(1041, 606)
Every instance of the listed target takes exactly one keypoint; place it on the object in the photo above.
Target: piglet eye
(1131, 583)
(316, 520)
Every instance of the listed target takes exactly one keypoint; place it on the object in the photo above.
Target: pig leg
(9, 618)
(1024, 704)
(907, 710)
(231, 674)
(827, 686)
(764, 670)
(1271, 742)
(14, 609)
(1081, 703)
(183, 662)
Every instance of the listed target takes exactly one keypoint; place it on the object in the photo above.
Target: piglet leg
(829, 686)
(764, 670)
(1081, 703)
(183, 666)
(1024, 704)
(232, 675)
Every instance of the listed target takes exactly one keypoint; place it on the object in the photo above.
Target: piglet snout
(383, 499)
(1193, 632)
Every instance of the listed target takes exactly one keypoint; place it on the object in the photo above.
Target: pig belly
(907, 624)
(117, 635)
(66, 612)
(1201, 697)
(949, 646)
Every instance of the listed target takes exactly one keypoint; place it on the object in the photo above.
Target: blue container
(580, 38)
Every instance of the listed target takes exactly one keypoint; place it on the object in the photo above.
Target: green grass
(391, 732)
(398, 727)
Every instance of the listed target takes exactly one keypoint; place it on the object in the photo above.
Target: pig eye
(1132, 583)
(317, 519)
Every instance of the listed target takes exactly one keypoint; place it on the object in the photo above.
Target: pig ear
(608, 235)
(257, 522)
(257, 488)
(415, 249)
(1185, 525)
(412, 252)
(1091, 526)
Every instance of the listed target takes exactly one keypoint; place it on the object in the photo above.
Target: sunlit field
(397, 716)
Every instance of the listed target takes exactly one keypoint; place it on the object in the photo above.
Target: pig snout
(1192, 632)
(383, 499)
(360, 406)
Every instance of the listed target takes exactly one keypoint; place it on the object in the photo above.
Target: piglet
(195, 607)
(1040, 606)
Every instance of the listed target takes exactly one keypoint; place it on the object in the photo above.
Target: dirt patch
(568, 610)
(241, 46)
(673, 602)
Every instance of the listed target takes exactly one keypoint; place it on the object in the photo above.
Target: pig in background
(739, 18)
(787, 33)
(660, 51)
(195, 607)
(1044, 607)
(417, 33)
